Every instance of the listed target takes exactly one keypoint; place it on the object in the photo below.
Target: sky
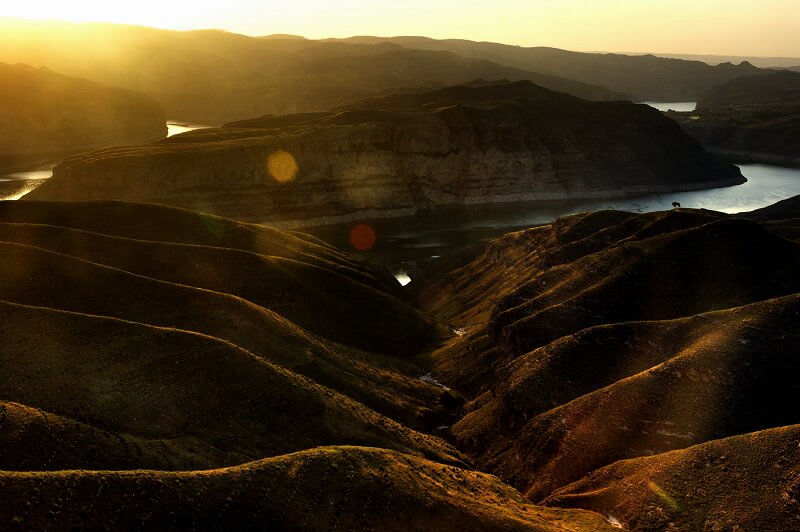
(730, 27)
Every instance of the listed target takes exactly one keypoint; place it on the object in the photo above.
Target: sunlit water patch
(175, 128)
(402, 277)
(682, 107)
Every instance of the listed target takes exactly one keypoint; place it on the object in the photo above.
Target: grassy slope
(749, 481)
(737, 376)
(561, 381)
(508, 267)
(347, 310)
(36, 440)
(169, 224)
(203, 395)
(746, 263)
(319, 489)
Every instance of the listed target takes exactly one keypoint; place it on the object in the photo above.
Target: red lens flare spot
(362, 237)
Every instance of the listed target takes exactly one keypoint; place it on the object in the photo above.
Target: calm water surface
(402, 242)
(673, 106)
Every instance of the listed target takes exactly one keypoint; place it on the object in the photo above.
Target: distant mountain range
(214, 77)
(761, 62)
(642, 77)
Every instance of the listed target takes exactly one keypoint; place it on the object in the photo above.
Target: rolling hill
(149, 377)
(618, 338)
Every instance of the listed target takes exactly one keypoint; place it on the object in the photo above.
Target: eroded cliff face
(511, 143)
(42, 112)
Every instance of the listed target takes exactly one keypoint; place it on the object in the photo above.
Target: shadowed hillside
(146, 366)
(212, 402)
(288, 287)
(401, 154)
(254, 300)
(44, 113)
(777, 90)
(319, 489)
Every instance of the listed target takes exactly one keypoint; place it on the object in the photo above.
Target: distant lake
(683, 107)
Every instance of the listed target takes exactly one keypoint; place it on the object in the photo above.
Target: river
(433, 234)
(400, 242)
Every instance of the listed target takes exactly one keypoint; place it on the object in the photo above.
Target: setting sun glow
(159, 14)
(736, 27)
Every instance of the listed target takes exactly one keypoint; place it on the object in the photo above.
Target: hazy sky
(731, 27)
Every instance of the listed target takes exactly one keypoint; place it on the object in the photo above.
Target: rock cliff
(42, 112)
(397, 155)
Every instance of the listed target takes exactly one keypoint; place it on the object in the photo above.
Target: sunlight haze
(763, 28)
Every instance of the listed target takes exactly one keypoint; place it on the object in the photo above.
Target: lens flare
(282, 166)
(663, 495)
(362, 237)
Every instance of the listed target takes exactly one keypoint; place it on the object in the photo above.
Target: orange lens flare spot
(362, 237)
(282, 166)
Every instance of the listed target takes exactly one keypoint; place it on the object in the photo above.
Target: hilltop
(704, 486)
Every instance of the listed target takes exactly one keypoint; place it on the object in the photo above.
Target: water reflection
(441, 232)
(175, 128)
